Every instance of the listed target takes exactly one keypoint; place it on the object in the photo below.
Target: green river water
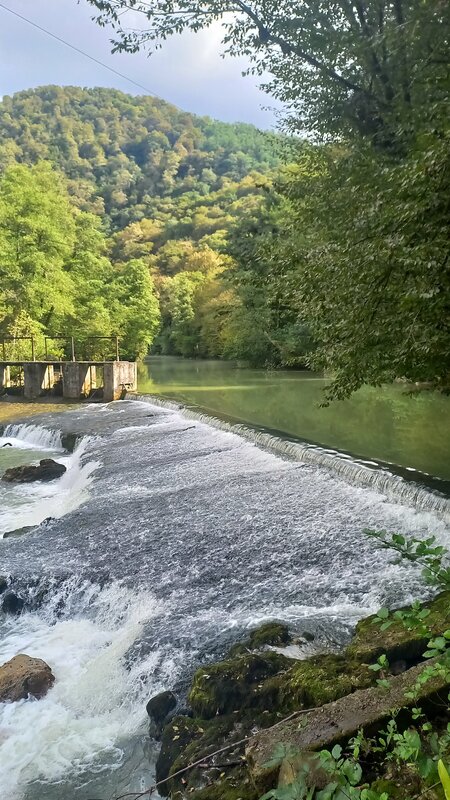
(387, 423)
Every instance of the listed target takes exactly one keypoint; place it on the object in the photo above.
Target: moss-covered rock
(178, 734)
(336, 722)
(319, 680)
(254, 687)
(399, 644)
(233, 684)
(270, 634)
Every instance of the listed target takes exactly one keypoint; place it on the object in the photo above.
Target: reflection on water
(385, 423)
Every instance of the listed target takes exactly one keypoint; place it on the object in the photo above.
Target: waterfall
(31, 436)
(371, 475)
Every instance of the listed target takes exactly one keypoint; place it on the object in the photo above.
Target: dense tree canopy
(122, 215)
(55, 276)
(128, 158)
(342, 67)
(106, 201)
(354, 273)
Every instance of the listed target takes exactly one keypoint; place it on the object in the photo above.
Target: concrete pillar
(38, 378)
(92, 378)
(76, 376)
(5, 377)
(119, 377)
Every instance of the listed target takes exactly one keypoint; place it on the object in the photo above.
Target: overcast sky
(188, 71)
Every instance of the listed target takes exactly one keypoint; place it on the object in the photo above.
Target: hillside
(124, 197)
(122, 154)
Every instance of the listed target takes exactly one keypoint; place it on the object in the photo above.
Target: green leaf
(444, 778)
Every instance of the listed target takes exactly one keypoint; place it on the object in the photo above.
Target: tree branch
(268, 37)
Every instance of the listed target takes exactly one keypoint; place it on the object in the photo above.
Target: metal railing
(69, 339)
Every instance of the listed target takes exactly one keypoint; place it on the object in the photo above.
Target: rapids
(171, 537)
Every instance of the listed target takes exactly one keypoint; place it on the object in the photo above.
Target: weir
(74, 380)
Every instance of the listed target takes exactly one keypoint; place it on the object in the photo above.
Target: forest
(324, 247)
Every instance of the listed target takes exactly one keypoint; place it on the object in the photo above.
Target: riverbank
(188, 538)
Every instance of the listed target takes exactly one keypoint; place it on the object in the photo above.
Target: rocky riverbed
(242, 709)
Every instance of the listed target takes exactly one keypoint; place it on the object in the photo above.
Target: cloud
(188, 71)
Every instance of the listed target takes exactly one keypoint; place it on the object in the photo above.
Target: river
(169, 538)
(384, 423)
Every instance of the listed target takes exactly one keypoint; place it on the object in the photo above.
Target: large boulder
(23, 676)
(158, 708)
(47, 470)
(12, 603)
(399, 643)
(233, 684)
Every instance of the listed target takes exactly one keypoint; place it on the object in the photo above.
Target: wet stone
(47, 470)
(158, 708)
(23, 676)
(12, 603)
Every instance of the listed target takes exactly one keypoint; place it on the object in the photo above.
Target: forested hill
(116, 215)
(122, 153)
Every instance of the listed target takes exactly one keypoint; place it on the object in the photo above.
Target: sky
(188, 71)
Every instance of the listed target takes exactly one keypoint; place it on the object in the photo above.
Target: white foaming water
(97, 699)
(224, 534)
(351, 470)
(26, 505)
(31, 436)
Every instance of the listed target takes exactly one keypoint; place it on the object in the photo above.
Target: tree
(266, 326)
(178, 303)
(91, 273)
(37, 236)
(56, 278)
(342, 67)
(372, 278)
(134, 307)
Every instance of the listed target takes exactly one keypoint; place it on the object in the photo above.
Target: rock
(269, 634)
(158, 708)
(177, 735)
(3, 584)
(12, 603)
(320, 679)
(252, 689)
(23, 676)
(365, 709)
(48, 470)
(185, 741)
(233, 684)
(69, 441)
(399, 644)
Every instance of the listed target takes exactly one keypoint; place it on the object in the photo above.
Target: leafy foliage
(342, 68)
(128, 157)
(166, 186)
(413, 755)
(56, 278)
